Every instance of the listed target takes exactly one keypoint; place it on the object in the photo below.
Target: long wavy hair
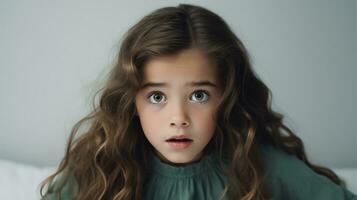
(107, 159)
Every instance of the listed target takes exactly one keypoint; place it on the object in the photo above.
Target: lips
(179, 142)
(179, 138)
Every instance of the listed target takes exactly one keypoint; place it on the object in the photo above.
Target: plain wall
(54, 55)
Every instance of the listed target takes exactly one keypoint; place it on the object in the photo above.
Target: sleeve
(291, 178)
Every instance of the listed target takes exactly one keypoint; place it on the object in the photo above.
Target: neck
(164, 160)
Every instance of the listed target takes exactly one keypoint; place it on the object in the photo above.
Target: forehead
(188, 65)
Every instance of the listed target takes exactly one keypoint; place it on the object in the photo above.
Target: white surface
(350, 176)
(20, 182)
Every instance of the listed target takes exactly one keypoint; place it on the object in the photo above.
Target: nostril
(183, 124)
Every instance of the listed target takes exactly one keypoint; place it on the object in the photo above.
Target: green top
(290, 178)
(287, 178)
(200, 180)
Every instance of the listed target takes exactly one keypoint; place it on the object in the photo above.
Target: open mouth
(179, 140)
(179, 144)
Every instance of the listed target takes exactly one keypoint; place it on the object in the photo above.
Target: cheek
(206, 122)
(147, 121)
(149, 124)
(207, 127)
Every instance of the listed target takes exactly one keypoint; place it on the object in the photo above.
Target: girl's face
(179, 96)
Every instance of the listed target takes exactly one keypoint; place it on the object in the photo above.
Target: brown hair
(107, 159)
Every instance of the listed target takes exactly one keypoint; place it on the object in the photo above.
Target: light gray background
(54, 55)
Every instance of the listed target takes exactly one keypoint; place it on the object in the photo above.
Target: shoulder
(281, 163)
(289, 177)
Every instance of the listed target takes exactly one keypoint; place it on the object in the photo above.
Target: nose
(179, 117)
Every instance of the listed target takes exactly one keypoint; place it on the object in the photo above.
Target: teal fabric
(67, 190)
(287, 177)
(290, 178)
(201, 180)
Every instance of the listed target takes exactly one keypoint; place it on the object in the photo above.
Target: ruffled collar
(208, 161)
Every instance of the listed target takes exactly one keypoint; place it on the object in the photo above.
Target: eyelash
(158, 92)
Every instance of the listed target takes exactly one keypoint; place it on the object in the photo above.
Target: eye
(155, 96)
(201, 95)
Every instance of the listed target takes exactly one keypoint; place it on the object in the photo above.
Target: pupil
(198, 95)
(157, 97)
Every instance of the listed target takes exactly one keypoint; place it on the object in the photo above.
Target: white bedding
(20, 181)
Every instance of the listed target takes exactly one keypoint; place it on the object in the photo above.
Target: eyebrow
(197, 83)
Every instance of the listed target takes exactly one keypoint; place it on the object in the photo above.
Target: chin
(178, 159)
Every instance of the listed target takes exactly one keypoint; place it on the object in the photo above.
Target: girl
(183, 116)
